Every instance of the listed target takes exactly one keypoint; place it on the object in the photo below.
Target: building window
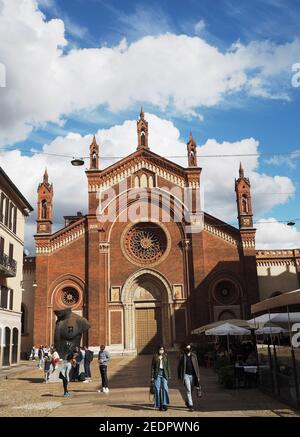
(4, 297)
(11, 252)
(244, 204)
(2, 203)
(11, 300)
(145, 242)
(15, 220)
(6, 211)
(44, 209)
(1, 247)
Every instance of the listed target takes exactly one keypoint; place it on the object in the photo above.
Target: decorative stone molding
(221, 234)
(186, 244)
(271, 263)
(61, 239)
(248, 244)
(123, 173)
(104, 246)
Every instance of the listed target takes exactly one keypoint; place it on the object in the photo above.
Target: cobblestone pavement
(23, 393)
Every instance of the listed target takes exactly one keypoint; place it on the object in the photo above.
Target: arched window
(136, 182)
(144, 181)
(244, 204)
(6, 347)
(143, 138)
(44, 209)
(15, 346)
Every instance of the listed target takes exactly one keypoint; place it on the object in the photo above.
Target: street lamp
(291, 223)
(77, 162)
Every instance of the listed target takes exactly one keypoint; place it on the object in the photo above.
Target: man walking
(188, 373)
(103, 359)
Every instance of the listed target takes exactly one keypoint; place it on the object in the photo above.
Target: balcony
(8, 267)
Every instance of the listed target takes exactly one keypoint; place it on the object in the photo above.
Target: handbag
(152, 388)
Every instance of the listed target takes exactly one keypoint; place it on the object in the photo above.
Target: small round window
(69, 296)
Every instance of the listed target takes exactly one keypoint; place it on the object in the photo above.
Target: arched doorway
(15, 346)
(147, 301)
(6, 348)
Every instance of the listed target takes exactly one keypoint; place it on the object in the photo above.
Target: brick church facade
(141, 278)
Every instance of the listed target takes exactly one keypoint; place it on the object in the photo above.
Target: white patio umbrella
(268, 330)
(227, 329)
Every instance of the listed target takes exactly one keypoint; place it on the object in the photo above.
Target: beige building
(13, 210)
(278, 271)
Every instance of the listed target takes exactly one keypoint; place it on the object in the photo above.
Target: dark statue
(69, 328)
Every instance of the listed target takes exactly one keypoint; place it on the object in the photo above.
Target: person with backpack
(103, 359)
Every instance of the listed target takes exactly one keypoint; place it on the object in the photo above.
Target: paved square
(25, 394)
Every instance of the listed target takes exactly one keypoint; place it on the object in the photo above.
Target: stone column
(129, 327)
(104, 291)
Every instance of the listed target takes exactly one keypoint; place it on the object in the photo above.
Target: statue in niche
(69, 328)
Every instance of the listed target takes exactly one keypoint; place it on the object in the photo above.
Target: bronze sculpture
(69, 328)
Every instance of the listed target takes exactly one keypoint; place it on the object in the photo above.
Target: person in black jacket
(88, 358)
(188, 373)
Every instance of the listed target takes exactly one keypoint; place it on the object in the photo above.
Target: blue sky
(269, 112)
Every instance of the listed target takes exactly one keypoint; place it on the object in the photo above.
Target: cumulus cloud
(218, 178)
(47, 81)
(272, 234)
(70, 186)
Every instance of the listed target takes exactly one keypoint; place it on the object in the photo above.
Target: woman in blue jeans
(160, 374)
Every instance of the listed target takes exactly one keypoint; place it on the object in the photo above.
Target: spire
(46, 177)
(94, 154)
(142, 131)
(243, 199)
(192, 151)
(94, 142)
(241, 171)
(44, 206)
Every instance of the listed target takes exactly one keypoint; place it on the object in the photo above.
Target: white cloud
(218, 178)
(46, 83)
(272, 234)
(70, 189)
(290, 161)
(199, 26)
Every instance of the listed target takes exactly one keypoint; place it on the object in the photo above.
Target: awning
(235, 322)
(227, 329)
(283, 300)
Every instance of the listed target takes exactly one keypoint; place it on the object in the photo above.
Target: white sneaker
(106, 390)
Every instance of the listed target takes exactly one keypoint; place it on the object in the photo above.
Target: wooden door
(148, 329)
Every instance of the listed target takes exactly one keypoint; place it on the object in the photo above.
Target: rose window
(145, 242)
(69, 296)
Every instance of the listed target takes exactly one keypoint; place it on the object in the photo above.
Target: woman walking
(160, 374)
(65, 373)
